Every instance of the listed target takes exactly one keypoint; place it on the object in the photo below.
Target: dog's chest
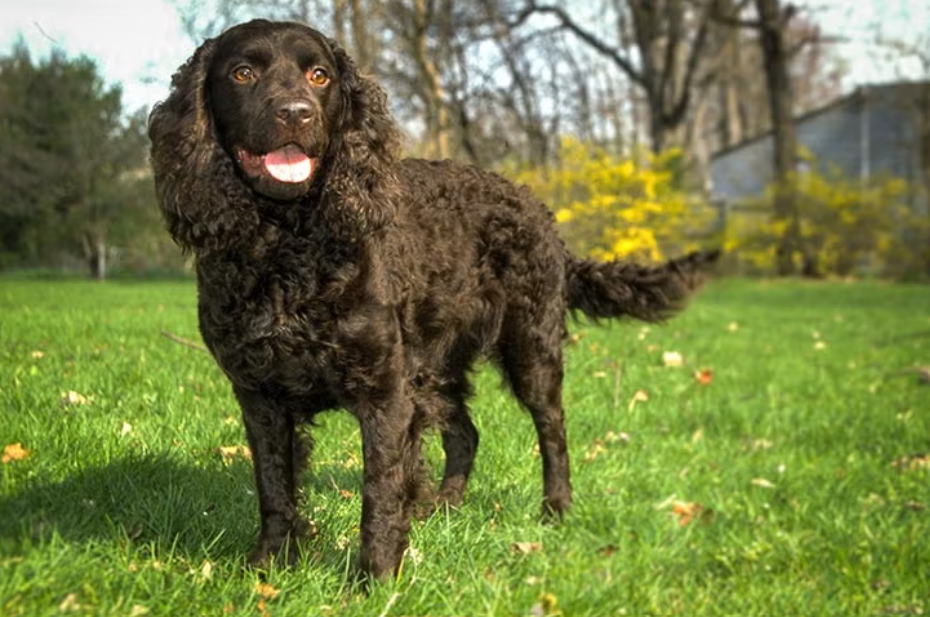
(280, 319)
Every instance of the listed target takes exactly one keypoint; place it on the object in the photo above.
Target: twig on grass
(183, 341)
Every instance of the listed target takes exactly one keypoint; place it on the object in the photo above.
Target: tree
(669, 43)
(67, 157)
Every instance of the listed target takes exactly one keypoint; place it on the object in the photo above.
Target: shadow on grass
(154, 504)
(140, 500)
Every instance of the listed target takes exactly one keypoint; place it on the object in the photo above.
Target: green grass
(125, 507)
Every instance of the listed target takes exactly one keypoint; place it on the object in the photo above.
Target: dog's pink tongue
(289, 164)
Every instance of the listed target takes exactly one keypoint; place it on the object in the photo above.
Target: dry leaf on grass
(762, 483)
(206, 570)
(547, 606)
(690, 511)
(640, 396)
(70, 604)
(672, 358)
(231, 453)
(72, 398)
(525, 548)
(913, 462)
(14, 452)
(269, 592)
(704, 376)
(594, 450)
(608, 550)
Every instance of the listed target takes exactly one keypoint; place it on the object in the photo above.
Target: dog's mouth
(290, 164)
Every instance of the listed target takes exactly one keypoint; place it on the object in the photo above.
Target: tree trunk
(95, 252)
(773, 20)
(437, 112)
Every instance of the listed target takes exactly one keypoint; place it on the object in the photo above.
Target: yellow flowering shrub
(847, 226)
(608, 207)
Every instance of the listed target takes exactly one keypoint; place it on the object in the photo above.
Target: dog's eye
(243, 74)
(318, 77)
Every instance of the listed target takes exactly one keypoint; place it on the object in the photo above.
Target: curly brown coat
(333, 274)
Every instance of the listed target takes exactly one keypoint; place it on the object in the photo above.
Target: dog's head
(270, 112)
(274, 92)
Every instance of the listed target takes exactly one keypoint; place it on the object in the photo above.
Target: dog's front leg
(272, 439)
(391, 450)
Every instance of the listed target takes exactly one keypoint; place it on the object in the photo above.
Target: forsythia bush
(609, 208)
(847, 227)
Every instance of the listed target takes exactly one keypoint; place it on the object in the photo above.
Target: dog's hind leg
(460, 442)
(531, 359)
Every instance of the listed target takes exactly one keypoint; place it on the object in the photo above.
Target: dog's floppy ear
(368, 142)
(204, 206)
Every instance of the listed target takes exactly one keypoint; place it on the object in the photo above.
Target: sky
(136, 43)
(139, 43)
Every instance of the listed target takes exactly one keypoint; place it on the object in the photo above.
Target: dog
(332, 273)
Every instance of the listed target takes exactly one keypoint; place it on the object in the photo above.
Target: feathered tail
(649, 293)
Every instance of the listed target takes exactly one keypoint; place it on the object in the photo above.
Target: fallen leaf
(689, 511)
(761, 444)
(352, 461)
(127, 428)
(73, 398)
(38, 354)
(525, 548)
(231, 453)
(206, 570)
(762, 483)
(599, 374)
(621, 437)
(269, 592)
(640, 396)
(70, 604)
(704, 376)
(697, 436)
(14, 452)
(914, 462)
(548, 605)
(138, 611)
(594, 450)
(608, 550)
(672, 358)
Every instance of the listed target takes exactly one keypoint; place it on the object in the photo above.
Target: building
(877, 129)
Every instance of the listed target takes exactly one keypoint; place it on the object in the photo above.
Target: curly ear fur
(205, 205)
(362, 180)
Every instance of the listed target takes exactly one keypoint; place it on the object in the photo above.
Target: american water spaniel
(332, 273)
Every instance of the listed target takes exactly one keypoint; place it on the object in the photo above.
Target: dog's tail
(649, 293)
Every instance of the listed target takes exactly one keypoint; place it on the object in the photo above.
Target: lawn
(763, 454)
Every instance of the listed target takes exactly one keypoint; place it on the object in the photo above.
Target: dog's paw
(283, 548)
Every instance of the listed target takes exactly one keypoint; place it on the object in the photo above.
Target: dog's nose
(294, 112)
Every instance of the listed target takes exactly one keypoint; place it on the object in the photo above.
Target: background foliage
(610, 207)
